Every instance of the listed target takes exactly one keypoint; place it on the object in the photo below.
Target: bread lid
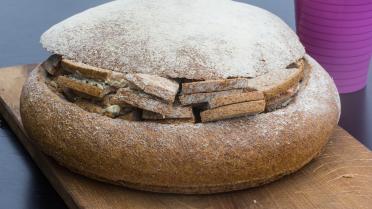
(194, 39)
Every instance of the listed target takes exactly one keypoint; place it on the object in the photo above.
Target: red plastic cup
(338, 34)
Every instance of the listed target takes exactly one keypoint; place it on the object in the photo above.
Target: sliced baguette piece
(86, 86)
(215, 85)
(277, 82)
(52, 64)
(155, 85)
(223, 100)
(200, 98)
(233, 111)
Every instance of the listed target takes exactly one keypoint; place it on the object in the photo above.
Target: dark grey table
(22, 185)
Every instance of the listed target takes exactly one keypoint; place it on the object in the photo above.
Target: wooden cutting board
(340, 178)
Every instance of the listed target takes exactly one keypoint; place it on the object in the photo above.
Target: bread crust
(183, 158)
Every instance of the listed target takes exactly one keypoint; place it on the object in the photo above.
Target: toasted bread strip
(88, 87)
(85, 70)
(180, 112)
(141, 100)
(155, 85)
(52, 64)
(150, 103)
(277, 82)
(281, 100)
(233, 111)
(114, 79)
(215, 85)
(200, 98)
(219, 101)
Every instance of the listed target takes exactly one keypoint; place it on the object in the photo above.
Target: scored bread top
(194, 39)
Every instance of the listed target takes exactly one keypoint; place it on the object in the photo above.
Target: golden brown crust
(183, 158)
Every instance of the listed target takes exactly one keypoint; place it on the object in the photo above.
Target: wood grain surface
(340, 178)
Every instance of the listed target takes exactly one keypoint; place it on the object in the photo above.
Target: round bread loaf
(194, 39)
(183, 158)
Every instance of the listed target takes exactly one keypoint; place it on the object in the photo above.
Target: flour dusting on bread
(194, 39)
